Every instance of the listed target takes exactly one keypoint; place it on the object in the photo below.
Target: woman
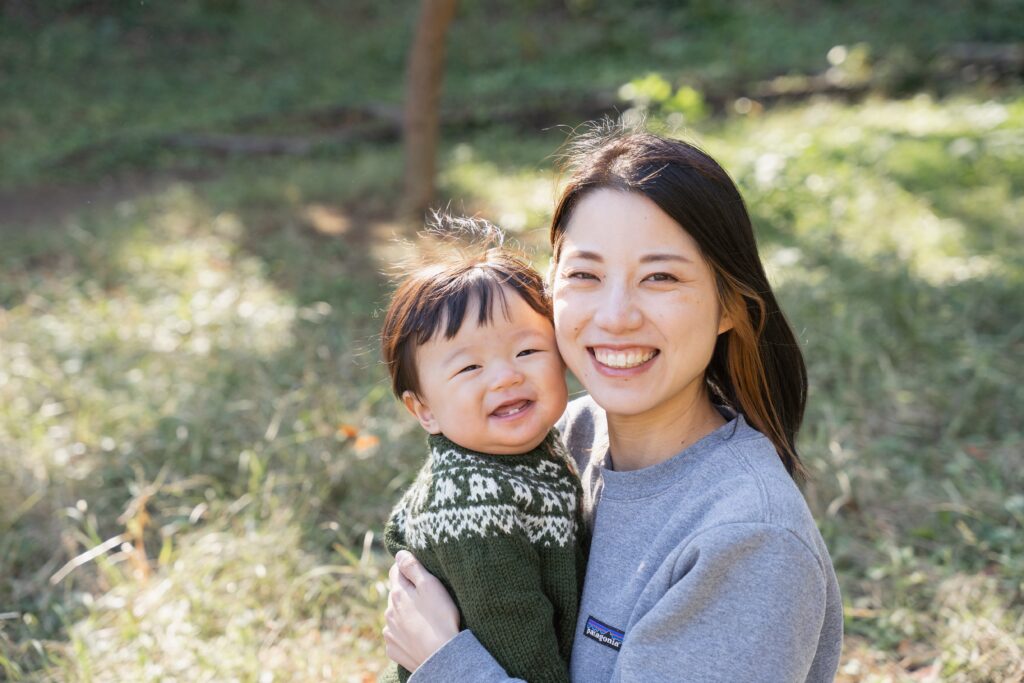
(705, 563)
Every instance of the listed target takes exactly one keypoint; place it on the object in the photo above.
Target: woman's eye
(662, 277)
(580, 275)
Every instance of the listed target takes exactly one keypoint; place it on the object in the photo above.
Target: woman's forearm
(462, 658)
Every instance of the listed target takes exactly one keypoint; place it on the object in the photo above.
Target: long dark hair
(756, 367)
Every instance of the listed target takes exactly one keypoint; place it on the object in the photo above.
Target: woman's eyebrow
(586, 255)
(654, 258)
(646, 258)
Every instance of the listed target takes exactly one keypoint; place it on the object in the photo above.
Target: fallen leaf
(348, 431)
(365, 443)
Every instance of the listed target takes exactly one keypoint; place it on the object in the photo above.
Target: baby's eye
(468, 368)
(662, 277)
(527, 352)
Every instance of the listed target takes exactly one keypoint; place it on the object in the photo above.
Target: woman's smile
(636, 306)
(663, 312)
(614, 360)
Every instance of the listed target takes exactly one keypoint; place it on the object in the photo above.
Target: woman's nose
(618, 311)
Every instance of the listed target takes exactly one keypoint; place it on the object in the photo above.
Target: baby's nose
(506, 375)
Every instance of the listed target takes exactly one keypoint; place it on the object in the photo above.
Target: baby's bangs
(450, 305)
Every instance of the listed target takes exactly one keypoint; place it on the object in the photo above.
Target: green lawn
(189, 369)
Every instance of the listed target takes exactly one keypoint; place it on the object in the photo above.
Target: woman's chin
(621, 402)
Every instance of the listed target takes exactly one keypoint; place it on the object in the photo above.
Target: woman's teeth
(623, 359)
(512, 409)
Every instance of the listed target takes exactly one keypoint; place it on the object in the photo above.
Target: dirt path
(52, 204)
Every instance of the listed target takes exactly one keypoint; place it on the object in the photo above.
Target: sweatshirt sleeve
(462, 658)
(500, 594)
(747, 603)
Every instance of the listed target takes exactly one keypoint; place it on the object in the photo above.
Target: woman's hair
(436, 298)
(756, 367)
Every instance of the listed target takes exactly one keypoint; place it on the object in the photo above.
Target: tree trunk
(424, 73)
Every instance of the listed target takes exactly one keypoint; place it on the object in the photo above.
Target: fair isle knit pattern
(503, 533)
(466, 496)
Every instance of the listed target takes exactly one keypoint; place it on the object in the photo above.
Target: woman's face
(635, 304)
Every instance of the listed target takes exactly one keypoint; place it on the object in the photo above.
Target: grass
(164, 388)
(88, 89)
(188, 372)
(905, 303)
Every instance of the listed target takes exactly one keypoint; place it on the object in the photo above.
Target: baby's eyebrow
(528, 332)
(454, 355)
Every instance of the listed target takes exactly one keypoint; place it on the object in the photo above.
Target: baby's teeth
(511, 410)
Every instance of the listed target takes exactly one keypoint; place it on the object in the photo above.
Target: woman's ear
(732, 302)
(724, 321)
(421, 411)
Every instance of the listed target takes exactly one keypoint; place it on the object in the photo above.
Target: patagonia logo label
(603, 633)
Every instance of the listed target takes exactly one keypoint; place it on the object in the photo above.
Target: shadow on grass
(222, 337)
(910, 433)
(155, 392)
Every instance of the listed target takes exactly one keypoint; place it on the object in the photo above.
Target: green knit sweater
(504, 534)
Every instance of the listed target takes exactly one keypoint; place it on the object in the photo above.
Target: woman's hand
(420, 617)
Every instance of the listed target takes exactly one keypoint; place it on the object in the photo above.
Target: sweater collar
(440, 444)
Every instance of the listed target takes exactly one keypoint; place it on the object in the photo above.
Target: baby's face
(496, 388)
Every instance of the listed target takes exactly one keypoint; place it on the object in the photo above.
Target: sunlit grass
(518, 201)
(885, 180)
(175, 386)
(904, 284)
(192, 376)
(238, 601)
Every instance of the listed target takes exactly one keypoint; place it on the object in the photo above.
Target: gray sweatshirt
(705, 567)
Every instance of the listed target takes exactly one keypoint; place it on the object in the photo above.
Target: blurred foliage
(88, 85)
(188, 367)
(653, 95)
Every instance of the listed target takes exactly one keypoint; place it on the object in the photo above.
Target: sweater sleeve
(747, 603)
(498, 586)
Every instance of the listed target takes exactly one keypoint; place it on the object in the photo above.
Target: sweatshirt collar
(654, 479)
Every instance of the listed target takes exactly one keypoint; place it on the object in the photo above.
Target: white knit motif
(440, 526)
(520, 491)
(472, 480)
(447, 491)
(480, 488)
(413, 499)
(549, 500)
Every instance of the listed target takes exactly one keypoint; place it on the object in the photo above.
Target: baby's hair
(475, 268)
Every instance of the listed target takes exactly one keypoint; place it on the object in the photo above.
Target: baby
(495, 511)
